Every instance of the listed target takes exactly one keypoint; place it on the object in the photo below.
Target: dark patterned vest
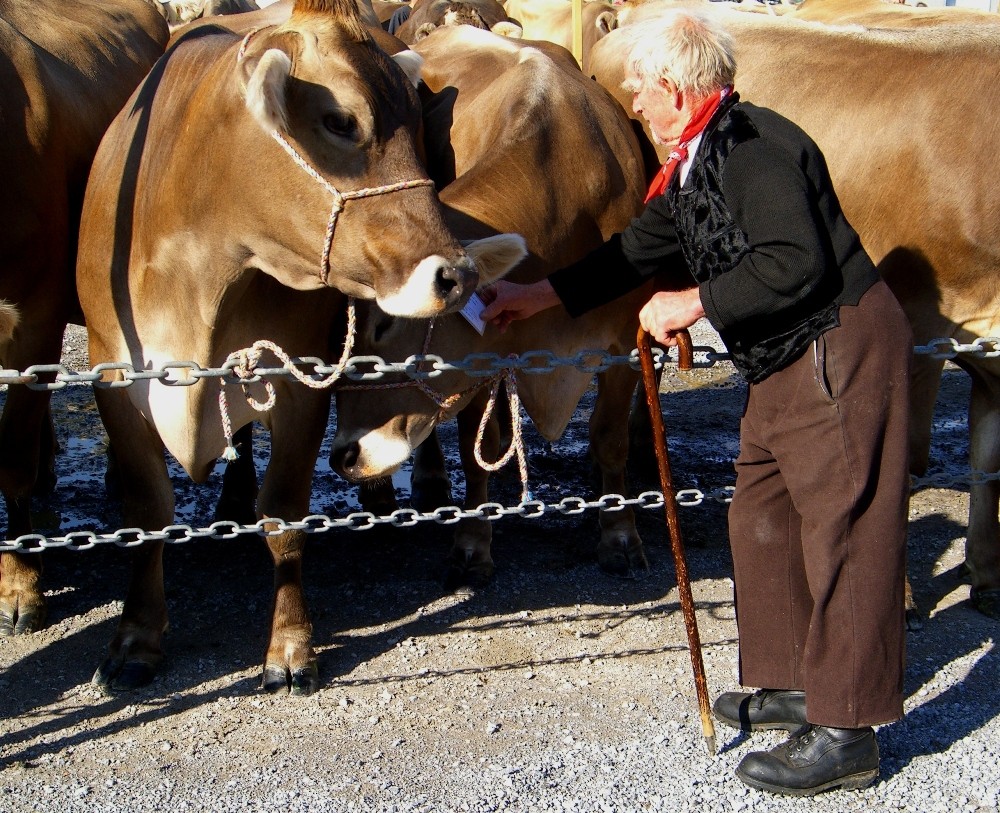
(713, 244)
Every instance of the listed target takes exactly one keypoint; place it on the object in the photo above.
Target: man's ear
(669, 87)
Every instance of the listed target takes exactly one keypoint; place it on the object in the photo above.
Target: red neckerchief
(699, 120)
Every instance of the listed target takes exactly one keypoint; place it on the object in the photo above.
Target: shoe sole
(738, 724)
(856, 781)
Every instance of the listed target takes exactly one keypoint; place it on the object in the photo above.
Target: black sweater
(757, 227)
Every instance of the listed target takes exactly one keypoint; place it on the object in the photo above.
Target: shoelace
(803, 740)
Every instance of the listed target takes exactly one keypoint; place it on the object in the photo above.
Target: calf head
(380, 424)
(348, 115)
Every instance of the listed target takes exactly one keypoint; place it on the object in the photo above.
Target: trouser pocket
(821, 369)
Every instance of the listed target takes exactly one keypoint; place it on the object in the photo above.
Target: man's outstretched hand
(507, 302)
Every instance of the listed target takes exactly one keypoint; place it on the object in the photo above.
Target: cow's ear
(424, 30)
(411, 62)
(607, 21)
(265, 89)
(506, 28)
(495, 256)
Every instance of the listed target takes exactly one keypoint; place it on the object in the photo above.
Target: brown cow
(552, 21)
(908, 160)
(884, 14)
(430, 14)
(179, 13)
(564, 171)
(208, 225)
(65, 71)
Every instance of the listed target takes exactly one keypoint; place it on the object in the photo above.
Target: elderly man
(742, 225)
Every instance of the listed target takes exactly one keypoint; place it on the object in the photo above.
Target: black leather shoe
(762, 710)
(814, 759)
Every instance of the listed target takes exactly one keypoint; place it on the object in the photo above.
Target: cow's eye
(341, 124)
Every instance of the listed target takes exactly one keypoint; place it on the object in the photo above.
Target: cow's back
(88, 56)
(900, 117)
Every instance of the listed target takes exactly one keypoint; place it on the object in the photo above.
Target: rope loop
(244, 362)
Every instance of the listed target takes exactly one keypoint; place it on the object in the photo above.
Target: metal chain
(408, 517)
(357, 521)
(421, 366)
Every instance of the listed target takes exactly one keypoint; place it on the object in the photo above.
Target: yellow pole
(578, 31)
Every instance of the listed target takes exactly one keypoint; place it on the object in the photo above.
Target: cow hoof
(22, 619)
(300, 683)
(305, 681)
(987, 602)
(459, 576)
(913, 621)
(622, 560)
(114, 675)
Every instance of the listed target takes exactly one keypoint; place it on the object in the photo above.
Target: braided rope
(517, 440)
(247, 360)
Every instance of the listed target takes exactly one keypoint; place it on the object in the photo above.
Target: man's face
(657, 101)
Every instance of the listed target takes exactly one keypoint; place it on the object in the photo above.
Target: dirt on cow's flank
(556, 687)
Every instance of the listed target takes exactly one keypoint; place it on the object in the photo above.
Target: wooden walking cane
(685, 361)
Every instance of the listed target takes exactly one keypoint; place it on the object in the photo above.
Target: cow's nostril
(448, 279)
(345, 459)
(454, 281)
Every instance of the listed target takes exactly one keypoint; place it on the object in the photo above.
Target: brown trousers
(818, 520)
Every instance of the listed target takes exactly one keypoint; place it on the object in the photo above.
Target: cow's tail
(8, 319)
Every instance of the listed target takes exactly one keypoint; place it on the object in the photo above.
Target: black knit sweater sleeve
(770, 199)
(647, 247)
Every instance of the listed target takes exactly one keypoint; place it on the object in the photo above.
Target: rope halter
(339, 198)
(446, 402)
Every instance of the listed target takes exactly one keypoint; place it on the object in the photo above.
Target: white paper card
(472, 312)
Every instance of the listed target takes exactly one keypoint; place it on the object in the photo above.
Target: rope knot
(244, 364)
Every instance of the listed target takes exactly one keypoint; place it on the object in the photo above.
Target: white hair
(689, 46)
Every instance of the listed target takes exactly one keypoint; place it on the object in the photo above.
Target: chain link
(418, 367)
(408, 517)
(985, 347)
(356, 521)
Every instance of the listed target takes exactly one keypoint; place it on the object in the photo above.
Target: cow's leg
(238, 500)
(147, 495)
(296, 434)
(22, 604)
(925, 381)
(48, 448)
(620, 549)
(470, 561)
(429, 484)
(982, 546)
(640, 433)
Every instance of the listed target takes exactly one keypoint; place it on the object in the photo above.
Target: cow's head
(346, 193)
(378, 428)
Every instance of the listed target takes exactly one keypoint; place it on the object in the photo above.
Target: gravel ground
(556, 688)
